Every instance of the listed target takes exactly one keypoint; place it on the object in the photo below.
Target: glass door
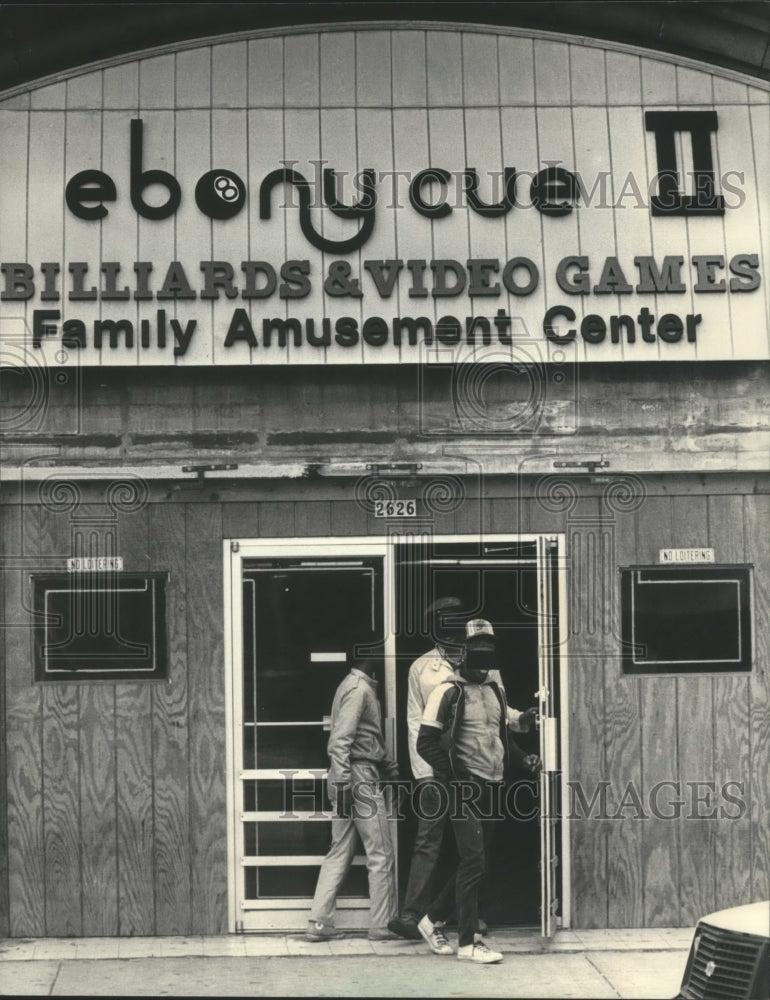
(303, 623)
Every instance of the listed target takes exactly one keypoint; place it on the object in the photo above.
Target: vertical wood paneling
(693, 86)
(338, 148)
(760, 132)
(193, 78)
(120, 239)
(411, 153)
(157, 238)
(61, 755)
(24, 736)
(134, 768)
(627, 151)
(170, 733)
(695, 722)
(757, 515)
(660, 848)
(229, 74)
(301, 148)
(49, 98)
(658, 82)
(98, 809)
(338, 69)
(373, 83)
(479, 69)
(208, 805)
(596, 227)
(623, 78)
(267, 237)
(61, 752)
(374, 130)
(622, 738)
(229, 146)
(449, 236)
(551, 73)
(239, 520)
(45, 228)
(517, 71)
(587, 75)
(191, 235)
(121, 86)
(443, 66)
(731, 726)
(347, 518)
(523, 229)
(156, 82)
(588, 710)
(5, 927)
(85, 91)
(312, 518)
(741, 229)
(408, 68)
(300, 70)
(276, 519)
(265, 72)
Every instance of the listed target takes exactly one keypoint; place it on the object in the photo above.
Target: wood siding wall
(116, 795)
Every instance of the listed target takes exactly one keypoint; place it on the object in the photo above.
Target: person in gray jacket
(359, 761)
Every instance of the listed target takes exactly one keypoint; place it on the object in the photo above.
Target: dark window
(100, 626)
(686, 619)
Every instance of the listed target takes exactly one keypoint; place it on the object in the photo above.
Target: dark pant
(473, 803)
(432, 816)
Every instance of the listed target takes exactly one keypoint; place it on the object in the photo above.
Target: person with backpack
(464, 738)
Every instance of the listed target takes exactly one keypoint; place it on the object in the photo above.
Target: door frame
(235, 550)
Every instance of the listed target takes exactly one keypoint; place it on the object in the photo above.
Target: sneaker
(317, 931)
(435, 936)
(405, 928)
(478, 952)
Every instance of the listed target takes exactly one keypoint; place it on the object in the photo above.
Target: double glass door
(304, 623)
(300, 612)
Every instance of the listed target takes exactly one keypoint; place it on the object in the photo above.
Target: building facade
(303, 327)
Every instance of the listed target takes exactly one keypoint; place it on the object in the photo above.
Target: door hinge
(234, 546)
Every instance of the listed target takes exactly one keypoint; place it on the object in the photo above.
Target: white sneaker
(478, 952)
(435, 936)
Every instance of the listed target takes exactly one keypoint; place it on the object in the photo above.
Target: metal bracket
(201, 470)
(590, 464)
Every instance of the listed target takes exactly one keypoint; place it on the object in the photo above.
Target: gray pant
(368, 820)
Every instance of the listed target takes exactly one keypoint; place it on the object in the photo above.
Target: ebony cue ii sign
(276, 228)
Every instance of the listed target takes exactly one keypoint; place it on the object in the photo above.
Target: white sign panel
(87, 564)
(354, 199)
(686, 556)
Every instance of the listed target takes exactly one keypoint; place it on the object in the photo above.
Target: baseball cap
(478, 626)
(480, 642)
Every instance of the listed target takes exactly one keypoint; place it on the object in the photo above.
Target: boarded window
(100, 626)
(686, 619)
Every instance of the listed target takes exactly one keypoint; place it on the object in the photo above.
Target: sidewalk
(632, 963)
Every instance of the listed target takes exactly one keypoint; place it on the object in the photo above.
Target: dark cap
(442, 620)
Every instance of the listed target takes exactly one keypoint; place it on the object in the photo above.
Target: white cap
(478, 626)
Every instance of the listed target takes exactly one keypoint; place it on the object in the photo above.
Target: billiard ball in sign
(220, 194)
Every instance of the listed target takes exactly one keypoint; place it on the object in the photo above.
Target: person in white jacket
(448, 630)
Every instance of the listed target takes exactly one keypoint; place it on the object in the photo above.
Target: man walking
(426, 673)
(464, 738)
(358, 762)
